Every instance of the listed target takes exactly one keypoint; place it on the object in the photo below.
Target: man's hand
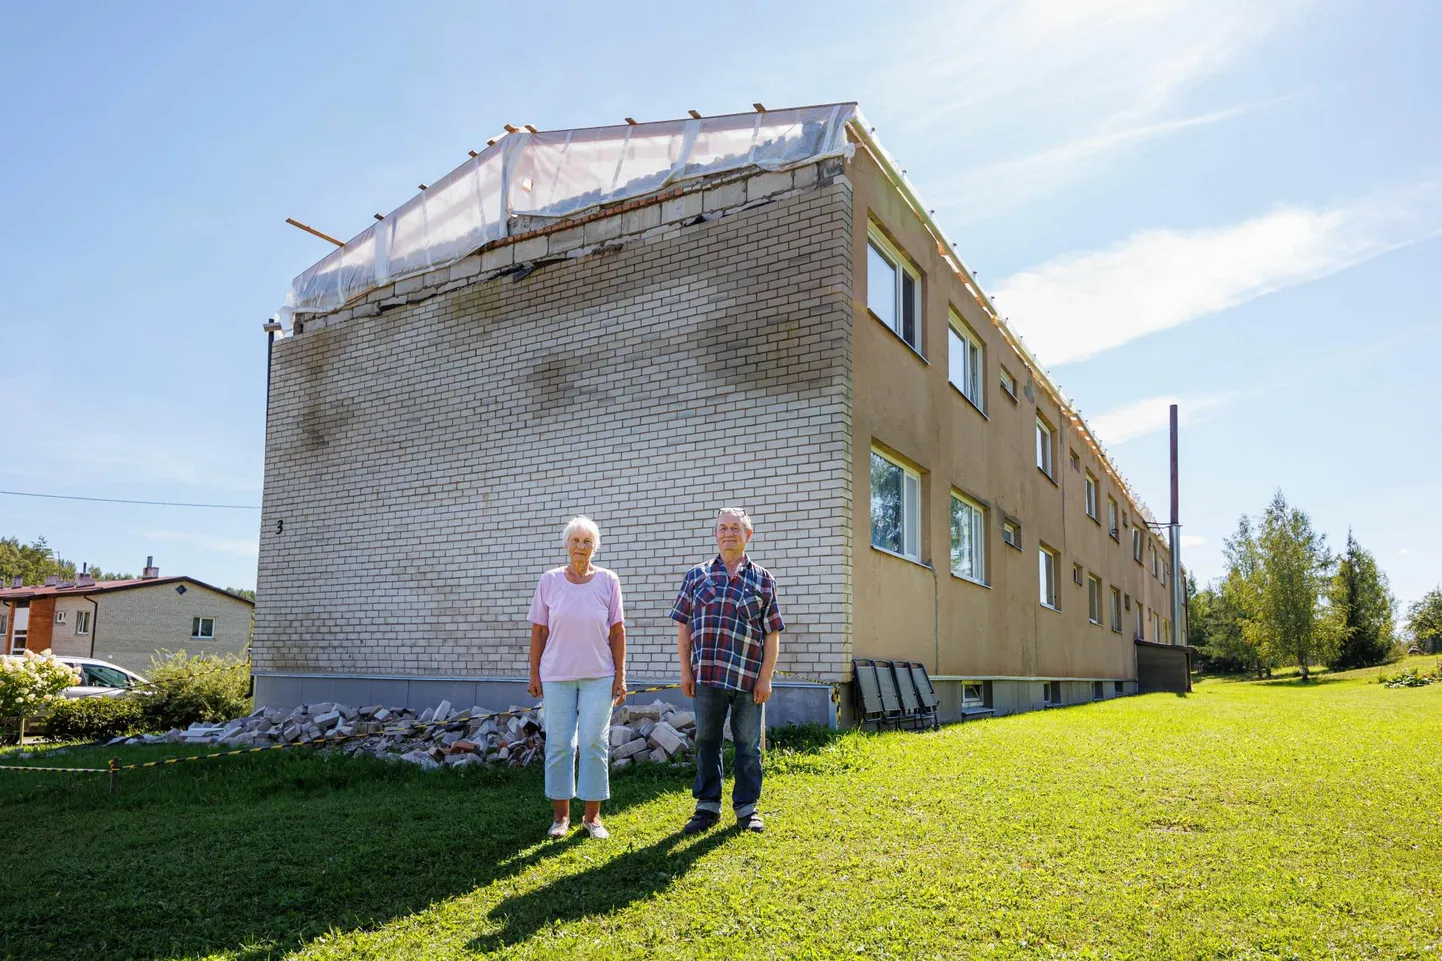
(618, 689)
(761, 693)
(688, 683)
(534, 688)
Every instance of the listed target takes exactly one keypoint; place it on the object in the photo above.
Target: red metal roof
(100, 587)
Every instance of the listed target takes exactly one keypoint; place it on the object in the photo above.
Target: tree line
(1287, 599)
(36, 561)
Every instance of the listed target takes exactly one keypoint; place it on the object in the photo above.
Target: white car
(101, 678)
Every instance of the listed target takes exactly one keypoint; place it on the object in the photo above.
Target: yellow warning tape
(62, 770)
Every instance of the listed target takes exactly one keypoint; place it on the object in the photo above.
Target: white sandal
(559, 828)
(596, 829)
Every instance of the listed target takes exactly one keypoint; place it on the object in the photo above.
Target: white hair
(736, 512)
(581, 523)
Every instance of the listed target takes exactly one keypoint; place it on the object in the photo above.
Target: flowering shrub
(29, 683)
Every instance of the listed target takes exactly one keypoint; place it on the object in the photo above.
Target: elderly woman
(578, 663)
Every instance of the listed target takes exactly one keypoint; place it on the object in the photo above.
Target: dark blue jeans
(711, 705)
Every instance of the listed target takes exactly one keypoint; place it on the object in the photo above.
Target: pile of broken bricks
(440, 736)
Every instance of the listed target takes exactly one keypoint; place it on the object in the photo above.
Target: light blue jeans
(578, 719)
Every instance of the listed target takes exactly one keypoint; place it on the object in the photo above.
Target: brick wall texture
(422, 460)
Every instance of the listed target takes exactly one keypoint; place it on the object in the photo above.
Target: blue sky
(1232, 205)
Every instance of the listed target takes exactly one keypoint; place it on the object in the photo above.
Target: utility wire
(118, 500)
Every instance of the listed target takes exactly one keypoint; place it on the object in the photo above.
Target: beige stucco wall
(904, 403)
(133, 624)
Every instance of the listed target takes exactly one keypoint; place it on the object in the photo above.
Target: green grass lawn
(1247, 820)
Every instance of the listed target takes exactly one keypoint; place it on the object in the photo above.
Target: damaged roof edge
(555, 175)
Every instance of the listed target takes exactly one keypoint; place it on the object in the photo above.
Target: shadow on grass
(605, 889)
(258, 855)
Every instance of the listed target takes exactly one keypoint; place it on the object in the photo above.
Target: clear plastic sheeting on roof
(559, 174)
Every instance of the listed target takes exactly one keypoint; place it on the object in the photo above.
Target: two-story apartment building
(645, 322)
(125, 622)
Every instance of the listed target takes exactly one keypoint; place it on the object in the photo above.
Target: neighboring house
(125, 622)
(644, 323)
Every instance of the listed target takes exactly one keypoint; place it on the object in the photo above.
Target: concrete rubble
(441, 736)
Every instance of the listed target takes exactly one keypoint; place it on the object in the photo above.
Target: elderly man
(727, 635)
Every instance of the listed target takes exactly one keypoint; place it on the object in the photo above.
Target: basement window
(973, 695)
(202, 628)
(893, 290)
(1051, 693)
(1098, 692)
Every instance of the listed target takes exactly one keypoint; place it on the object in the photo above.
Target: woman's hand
(618, 689)
(534, 688)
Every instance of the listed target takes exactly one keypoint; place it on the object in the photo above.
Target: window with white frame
(1043, 445)
(1091, 496)
(965, 361)
(1112, 518)
(1094, 599)
(1075, 462)
(1164, 575)
(1008, 383)
(82, 622)
(60, 616)
(17, 642)
(1116, 611)
(1011, 534)
(1166, 636)
(893, 290)
(895, 507)
(1076, 574)
(973, 695)
(1153, 548)
(968, 538)
(1047, 560)
(1156, 627)
(1141, 634)
(1137, 544)
(202, 628)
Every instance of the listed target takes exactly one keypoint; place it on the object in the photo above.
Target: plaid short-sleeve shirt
(729, 619)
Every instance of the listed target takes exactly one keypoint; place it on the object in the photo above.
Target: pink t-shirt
(579, 618)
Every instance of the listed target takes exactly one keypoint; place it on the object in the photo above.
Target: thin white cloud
(998, 186)
(224, 545)
(1404, 551)
(1049, 80)
(1079, 305)
(1193, 540)
(1121, 424)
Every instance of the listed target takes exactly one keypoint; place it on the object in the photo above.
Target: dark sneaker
(751, 822)
(700, 821)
